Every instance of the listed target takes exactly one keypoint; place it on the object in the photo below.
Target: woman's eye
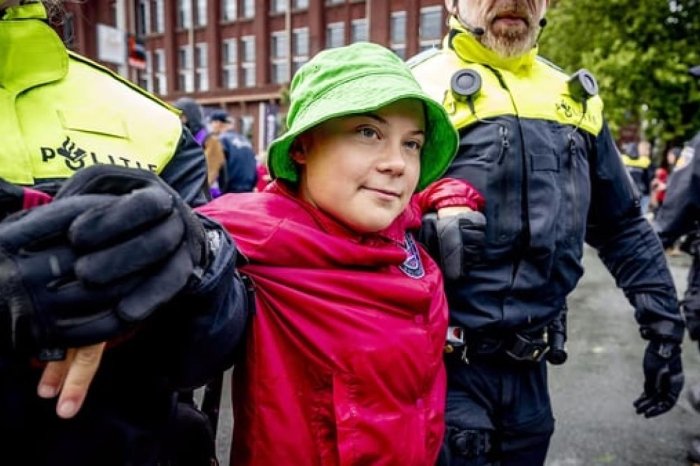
(414, 145)
(368, 132)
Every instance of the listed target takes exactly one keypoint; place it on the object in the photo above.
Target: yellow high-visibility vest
(60, 112)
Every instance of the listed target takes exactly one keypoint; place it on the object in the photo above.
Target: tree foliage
(640, 52)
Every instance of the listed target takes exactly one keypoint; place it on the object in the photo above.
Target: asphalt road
(593, 392)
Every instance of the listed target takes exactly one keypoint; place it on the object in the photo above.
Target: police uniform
(641, 171)
(679, 215)
(542, 156)
(59, 113)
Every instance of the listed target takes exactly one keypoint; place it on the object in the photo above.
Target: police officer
(534, 143)
(117, 256)
(679, 215)
(637, 160)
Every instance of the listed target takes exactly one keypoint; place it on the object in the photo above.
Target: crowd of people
(403, 203)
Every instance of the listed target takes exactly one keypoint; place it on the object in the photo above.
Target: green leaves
(640, 51)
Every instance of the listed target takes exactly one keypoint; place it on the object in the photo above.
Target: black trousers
(498, 413)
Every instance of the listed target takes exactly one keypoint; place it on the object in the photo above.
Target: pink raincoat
(343, 358)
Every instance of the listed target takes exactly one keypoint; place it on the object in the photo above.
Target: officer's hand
(70, 379)
(147, 243)
(456, 241)
(663, 378)
(46, 306)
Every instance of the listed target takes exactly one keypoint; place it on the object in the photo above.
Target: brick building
(239, 55)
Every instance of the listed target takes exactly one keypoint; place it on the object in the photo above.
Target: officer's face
(511, 26)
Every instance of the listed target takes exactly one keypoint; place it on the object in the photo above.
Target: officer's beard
(511, 43)
(509, 40)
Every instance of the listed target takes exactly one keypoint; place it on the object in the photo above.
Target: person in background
(240, 168)
(193, 118)
(263, 173)
(637, 160)
(679, 216)
(114, 295)
(343, 363)
(534, 142)
(660, 182)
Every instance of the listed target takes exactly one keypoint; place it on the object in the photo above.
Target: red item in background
(263, 177)
(660, 180)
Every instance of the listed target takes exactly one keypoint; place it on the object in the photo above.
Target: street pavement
(592, 393)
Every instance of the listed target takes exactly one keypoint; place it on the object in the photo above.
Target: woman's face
(363, 169)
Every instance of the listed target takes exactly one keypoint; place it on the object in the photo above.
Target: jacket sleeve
(187, 171)
(203, 339)
(628, 246)
(447, 192)
(197, 333)
(681, 206)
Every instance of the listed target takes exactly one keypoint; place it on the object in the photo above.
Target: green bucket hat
(355, 79)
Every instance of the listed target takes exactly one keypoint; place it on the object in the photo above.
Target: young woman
(343, 362)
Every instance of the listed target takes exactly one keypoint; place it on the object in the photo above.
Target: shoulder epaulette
(421, 57)
(121, 79)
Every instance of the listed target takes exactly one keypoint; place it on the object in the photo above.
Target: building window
(334, 2)
(229, 10)
(398, 33)
(158, 16)
(143, 17)
(248, 9)
(184, 14)
(185, 71)
(248, 60)
(278, 6)
(335, 35)
(201, 10)
(201, 75)
(430, 31)
(146, 75)
(358, 30)
(229, 63)
(300, 4)
(300, 48)
(278, 57)
(160, 83)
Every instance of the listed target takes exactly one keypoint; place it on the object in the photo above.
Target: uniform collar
(469, 49)
(31, 53)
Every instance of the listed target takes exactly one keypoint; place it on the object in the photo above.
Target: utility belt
(530, 347)
(546, 343)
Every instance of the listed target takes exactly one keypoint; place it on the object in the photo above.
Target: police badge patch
(412, 266)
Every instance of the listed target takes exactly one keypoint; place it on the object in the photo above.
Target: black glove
(456, 242)
(663, 378)
(148, 241)
(41, 304)
(87, 266)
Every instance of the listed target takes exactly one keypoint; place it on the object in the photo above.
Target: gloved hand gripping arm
(115, 245)
(455, 235)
